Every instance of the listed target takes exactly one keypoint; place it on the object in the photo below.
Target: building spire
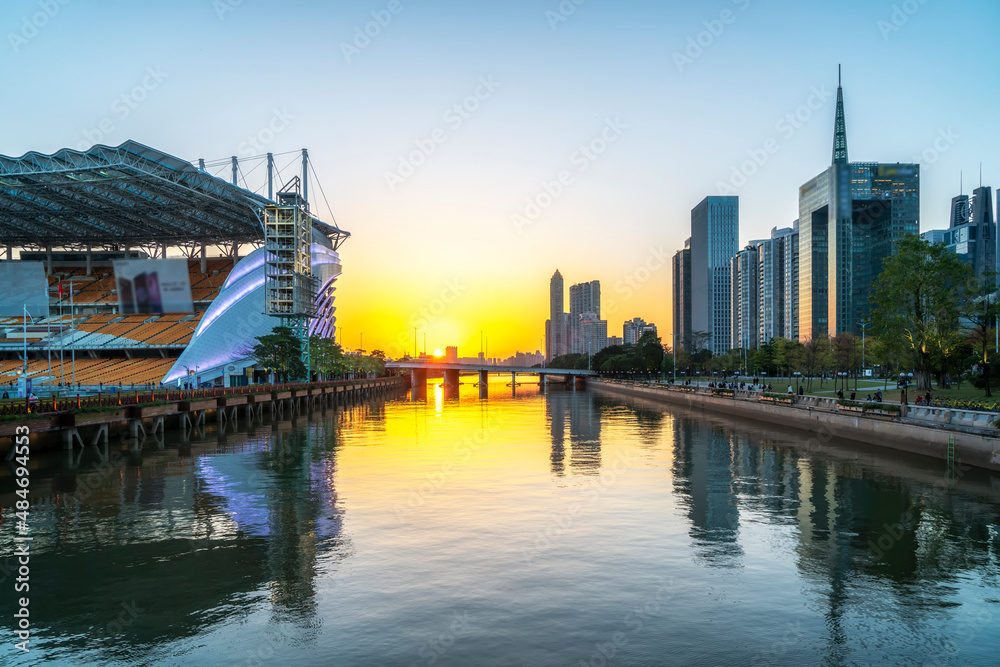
(839, 131)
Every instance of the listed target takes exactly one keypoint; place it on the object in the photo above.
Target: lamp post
(673, 348)
(863, 325)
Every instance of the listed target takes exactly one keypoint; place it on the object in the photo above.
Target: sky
(471, 149)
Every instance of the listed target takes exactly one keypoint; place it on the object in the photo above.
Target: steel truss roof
(110, 196)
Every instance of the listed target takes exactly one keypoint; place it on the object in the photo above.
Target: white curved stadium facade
(222, 345)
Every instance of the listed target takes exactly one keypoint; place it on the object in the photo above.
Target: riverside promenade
(82, 421)
(959, 437)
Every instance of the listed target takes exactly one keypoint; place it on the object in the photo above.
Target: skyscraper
(593, 333)
(715, 227)
(973, 232)
(745, 271)
(851, 217)
(682, 296)
(555, 328)
(790, 282)
(633, 329)
(583, 298)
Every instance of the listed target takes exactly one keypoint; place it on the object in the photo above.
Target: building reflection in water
(704, 480)
(864, 537)
(583, 415)
(190, 541)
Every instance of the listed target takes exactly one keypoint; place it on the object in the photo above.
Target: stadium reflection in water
(524, 529)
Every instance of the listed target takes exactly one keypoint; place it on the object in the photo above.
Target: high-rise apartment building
(715, 226)
(583, 298)
(682, 296)
(851, 217)
(555, 329)
(745, 271)
(593, 333)
(633, 329)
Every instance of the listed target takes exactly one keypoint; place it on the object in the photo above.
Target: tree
(981, 312)
(282, 351)
(648, 352)
(917, 299)
(787, 355)
(378, 354)
(326, 357)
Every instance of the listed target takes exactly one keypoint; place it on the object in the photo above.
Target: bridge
(452, 370)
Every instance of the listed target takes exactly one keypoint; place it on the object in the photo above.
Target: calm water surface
(564, 528)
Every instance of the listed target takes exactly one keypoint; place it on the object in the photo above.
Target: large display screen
(153, 286)
(23, 285)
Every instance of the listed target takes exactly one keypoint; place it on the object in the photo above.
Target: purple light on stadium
(225, 301)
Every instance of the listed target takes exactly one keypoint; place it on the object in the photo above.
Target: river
(557, 528)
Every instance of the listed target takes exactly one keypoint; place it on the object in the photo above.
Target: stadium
(255, 260)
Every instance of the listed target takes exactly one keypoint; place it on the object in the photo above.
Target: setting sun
(438, 353)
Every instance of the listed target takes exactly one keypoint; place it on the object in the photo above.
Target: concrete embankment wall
(971, 448)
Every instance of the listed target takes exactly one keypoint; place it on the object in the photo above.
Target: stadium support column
(270, 176)
(305, 174)
(90, 260)
(48, 259)
(10, 252)
(204, 260)
(235, 169)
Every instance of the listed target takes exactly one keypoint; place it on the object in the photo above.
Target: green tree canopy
(917, 300)
(281, 351)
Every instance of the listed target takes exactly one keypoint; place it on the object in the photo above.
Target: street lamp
(863, 325)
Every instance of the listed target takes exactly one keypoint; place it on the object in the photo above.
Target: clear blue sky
(223, 71)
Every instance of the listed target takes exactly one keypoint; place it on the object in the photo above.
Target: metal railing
(53, 405)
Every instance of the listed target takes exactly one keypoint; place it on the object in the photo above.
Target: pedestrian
(790, 389)
(902, 397)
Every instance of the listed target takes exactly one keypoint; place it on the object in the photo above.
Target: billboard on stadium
(153, 286)
(23, 285)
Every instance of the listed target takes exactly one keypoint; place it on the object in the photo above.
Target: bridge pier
(418, 378)
(541, 382)
(451, 379)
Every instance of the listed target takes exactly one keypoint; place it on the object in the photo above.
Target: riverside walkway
(88, 420)
(958, 436)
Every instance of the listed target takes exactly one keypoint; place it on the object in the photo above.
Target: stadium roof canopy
(110, 196)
